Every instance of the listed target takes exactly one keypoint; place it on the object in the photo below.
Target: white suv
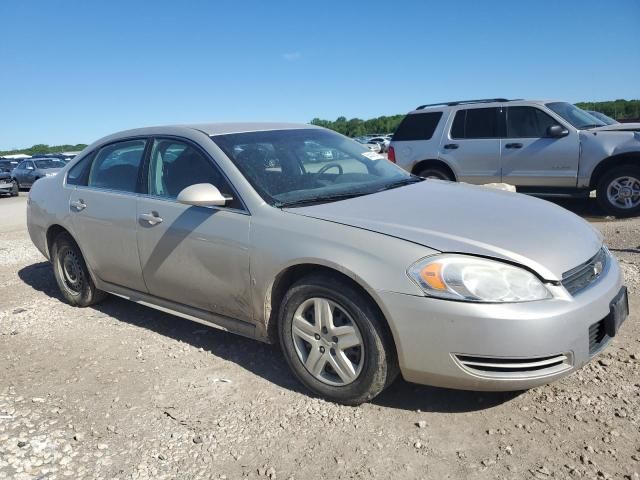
(545, 148)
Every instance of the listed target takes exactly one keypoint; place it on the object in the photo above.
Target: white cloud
(291, 56)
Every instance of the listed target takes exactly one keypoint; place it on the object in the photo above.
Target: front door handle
(451, 146)
(151, 218)
(513, 145)
(78, 205)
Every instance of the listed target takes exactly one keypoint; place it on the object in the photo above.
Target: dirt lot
(123, 391)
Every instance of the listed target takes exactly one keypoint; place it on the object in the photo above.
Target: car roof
(480, 103)
(218, 128)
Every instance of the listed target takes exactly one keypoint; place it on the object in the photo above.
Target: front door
(530, 157)
(103, 214)
(472, 146)
(195, 256)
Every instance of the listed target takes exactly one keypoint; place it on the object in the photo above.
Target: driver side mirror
(202, 195)
(556, 131)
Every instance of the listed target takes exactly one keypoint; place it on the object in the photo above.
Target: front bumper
(475, 346)
(5, 187)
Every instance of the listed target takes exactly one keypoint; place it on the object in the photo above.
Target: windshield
(603, 117)
(295, 167)
(48, 163)
(575, 116)
(7, 166)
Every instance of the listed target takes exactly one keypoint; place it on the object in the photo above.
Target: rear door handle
(151, 218)
(451, 146)
(78, 205)
(513, 145)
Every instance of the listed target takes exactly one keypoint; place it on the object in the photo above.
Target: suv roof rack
(465, 102)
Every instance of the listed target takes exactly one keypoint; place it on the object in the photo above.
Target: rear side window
(475, 123)
(116, 166)
(528, 122)
(417, 126)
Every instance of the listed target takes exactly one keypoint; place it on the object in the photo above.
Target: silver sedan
(356, 268)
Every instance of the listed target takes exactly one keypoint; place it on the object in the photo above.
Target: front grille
(514, 367)
(579, 278)
(597, 336)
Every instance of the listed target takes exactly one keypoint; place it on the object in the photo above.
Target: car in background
(373, 146)
(382, 141)
(544, 148)
(7, 185)
(28, 171)
(602, 117)
(7, 165)
(342, 265)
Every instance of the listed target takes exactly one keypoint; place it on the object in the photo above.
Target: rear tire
(15, 188)
(618, 191)
(436, 173)
(71, 272)
(362, 370)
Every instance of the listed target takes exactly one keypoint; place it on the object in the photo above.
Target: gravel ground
(121, 391)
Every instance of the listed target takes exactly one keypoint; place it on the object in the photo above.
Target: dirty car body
(357, 221)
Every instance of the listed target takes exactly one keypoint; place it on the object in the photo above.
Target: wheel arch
(52, 233)
(612, 162)
(291, 274)
(433, 162)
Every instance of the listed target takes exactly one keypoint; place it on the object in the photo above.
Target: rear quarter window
(417, 126)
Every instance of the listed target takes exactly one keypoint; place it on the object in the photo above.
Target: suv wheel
(435, 172)
(72, 275)
(618, 191)
(15, 188)
(334, 340)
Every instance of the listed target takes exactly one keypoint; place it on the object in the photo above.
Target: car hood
(454, 217)
(618, 127)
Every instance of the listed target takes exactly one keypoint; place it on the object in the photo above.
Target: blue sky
(73, 71)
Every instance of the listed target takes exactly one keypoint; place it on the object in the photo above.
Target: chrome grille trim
(511, 367)
(582, 276)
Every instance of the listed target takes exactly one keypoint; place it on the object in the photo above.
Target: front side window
(116, 166)
(303, 166)
(475, 123)
(176, 165)
(528, 122)
(575, 116)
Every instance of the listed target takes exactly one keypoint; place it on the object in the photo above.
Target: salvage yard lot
(123, 391)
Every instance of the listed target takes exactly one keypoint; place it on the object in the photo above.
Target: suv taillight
(391, 155)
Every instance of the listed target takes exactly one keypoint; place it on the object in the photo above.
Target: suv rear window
(475, 123)
(417, 126)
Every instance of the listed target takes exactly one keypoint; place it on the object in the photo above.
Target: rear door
(472, 145)
(192, 255)
(103, 209)
(530, 157)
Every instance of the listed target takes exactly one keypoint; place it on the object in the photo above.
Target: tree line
(621, 110)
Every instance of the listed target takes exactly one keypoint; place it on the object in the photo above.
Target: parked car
(8, 165)
(373, 146)
(544, 148)
(28, 171)
(7, 185)
(343, 266)
(382, 141)
(603, 118)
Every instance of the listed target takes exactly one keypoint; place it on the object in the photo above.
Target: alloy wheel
(328, 341)
(624, 192)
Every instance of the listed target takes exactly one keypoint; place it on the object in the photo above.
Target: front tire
(15, 188)
(618, 191)
(72, 274)
(334, 340)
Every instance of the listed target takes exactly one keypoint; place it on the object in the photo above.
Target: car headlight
(475, 279)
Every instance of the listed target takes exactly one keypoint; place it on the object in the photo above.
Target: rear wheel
(72, 275)
(618, 191)
(334, 340)
(15, 188)
(436, 173)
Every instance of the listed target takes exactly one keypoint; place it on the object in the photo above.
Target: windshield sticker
(373, 156)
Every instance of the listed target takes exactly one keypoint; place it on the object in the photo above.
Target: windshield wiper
(321, 199)
(401, 183)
